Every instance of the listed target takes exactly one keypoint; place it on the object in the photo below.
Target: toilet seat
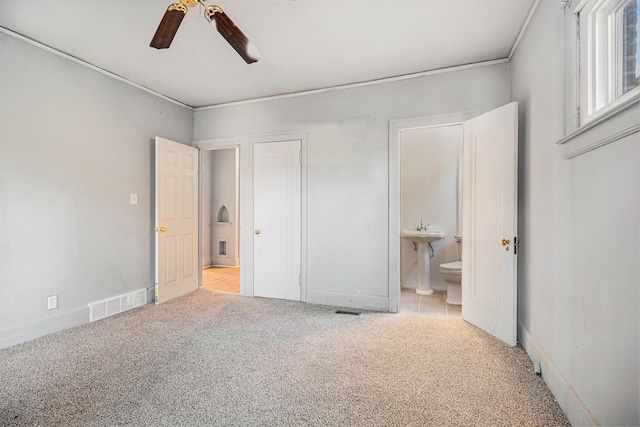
(452, 267)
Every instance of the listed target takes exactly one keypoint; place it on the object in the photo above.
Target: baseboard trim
(569, 400)
(55, 322)
(224, 262)
(343, 299)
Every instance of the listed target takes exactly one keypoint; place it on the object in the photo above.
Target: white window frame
(600, 57)
(588, 127)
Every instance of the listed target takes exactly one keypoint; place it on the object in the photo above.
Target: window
(602, 73)
(609, 55)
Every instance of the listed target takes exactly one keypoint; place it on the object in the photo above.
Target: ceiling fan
(215, 15)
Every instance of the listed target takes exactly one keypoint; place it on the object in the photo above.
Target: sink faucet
(422, 226)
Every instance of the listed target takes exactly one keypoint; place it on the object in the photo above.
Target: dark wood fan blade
(236, 37)
(168, 26)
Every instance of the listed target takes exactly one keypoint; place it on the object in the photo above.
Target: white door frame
(395, 127)
(223, 145)
(245, 144)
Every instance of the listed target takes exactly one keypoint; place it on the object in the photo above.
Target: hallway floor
(434, 305)
(223, 279)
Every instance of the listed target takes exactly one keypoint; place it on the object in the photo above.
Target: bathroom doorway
(430, 194)
(220, 211)
(488, 269)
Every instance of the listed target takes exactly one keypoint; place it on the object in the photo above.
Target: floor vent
(353, 313)
(114, 305)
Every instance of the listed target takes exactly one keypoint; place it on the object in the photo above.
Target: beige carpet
(220, 359)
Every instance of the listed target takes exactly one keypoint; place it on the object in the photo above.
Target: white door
(489, 298)
(276, 220)
(176, 219)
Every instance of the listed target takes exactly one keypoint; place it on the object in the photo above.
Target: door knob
(160, 229)
(257, 231)
(505, 242)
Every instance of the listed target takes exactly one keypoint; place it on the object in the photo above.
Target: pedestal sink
(421, 237)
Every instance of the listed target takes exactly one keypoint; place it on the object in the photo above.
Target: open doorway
(430, 197)
(444, 129)
(220, 187)
(489, 262)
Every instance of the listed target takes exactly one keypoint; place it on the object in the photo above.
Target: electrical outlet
(52, 302)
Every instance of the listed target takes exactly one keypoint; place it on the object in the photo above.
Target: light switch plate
(52, 302)
(133, 199)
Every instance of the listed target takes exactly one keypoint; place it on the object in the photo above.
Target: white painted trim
(224, 262)
(612, 122)
(53, 322)
(274, 97)
(90, 66)
(395, 127)
(356, 85)
(569, 400)
(219, 143)
(245, 236)
(604, 141)
(523, 30)
(285, 95)
(279, 136)
(610, 127)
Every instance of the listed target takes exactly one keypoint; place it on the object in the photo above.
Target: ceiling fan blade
(234, 35)
(168, 26)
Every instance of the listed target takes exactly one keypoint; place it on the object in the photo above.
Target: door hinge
(516, 242)
(299, 280)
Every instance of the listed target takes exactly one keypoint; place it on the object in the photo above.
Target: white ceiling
(305, 44)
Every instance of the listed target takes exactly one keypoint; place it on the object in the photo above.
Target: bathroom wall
(430, 163)
(225, 188)
(74, 144)
(578, 271)
(347, 163)
(206, 184)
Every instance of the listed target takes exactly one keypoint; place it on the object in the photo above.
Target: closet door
(277, 229)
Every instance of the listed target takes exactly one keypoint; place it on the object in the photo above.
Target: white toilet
(452, 273)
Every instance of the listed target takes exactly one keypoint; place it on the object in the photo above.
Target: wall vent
(114, 305)
(222, 247)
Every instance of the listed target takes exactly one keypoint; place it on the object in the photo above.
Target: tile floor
(434, 305)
